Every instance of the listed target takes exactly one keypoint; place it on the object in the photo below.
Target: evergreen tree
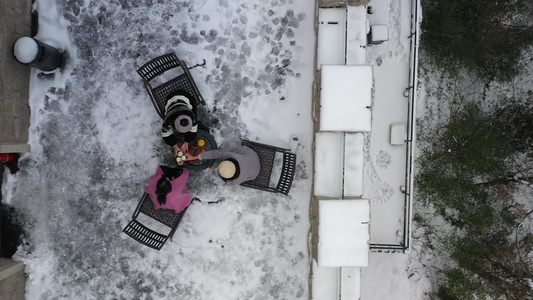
(485, 37)
(469, 174)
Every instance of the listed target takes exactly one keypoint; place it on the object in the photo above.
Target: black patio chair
(147, 236)
(267, 155)
(153, 70)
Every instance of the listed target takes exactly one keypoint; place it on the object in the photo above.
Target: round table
(195, 149)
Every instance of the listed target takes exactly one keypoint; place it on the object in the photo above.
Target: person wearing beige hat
(234, 166)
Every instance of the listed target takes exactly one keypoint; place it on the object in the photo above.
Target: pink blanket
(178, 199)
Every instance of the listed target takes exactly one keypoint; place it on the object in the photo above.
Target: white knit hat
(226, 169)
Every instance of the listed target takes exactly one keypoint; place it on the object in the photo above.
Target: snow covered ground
(95, 143)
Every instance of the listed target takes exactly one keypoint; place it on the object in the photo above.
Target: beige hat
(226, 169)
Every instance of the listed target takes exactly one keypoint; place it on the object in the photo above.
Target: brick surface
(17, 107)
(1, 77)
(8, 81)
(12, 280)
(24, 74)
(26, 121)
(14, 148)
(21, 281)
(17, 129)
(2, 8)
(8, 126)
(15, 22)
(2, 120)
(2, 32)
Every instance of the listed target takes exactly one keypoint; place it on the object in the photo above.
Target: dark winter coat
(169, 133)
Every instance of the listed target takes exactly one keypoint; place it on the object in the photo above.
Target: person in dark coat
(235, 166)
(180, 125)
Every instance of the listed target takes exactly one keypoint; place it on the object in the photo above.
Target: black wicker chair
(147, 236)
(267, 155)
(152, 74)
(158, 93)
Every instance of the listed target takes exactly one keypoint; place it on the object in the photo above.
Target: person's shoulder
(246, 149)
(179, 92)
(239, 148)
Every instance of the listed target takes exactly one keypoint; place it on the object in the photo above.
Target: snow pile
(25, 50)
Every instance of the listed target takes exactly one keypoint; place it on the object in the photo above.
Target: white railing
(413, 87)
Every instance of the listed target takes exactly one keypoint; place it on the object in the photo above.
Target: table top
(204, 142)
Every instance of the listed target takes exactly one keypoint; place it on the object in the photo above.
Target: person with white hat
(180, 125)
(235, 166)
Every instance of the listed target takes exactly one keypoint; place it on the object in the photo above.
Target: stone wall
(15, 22)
